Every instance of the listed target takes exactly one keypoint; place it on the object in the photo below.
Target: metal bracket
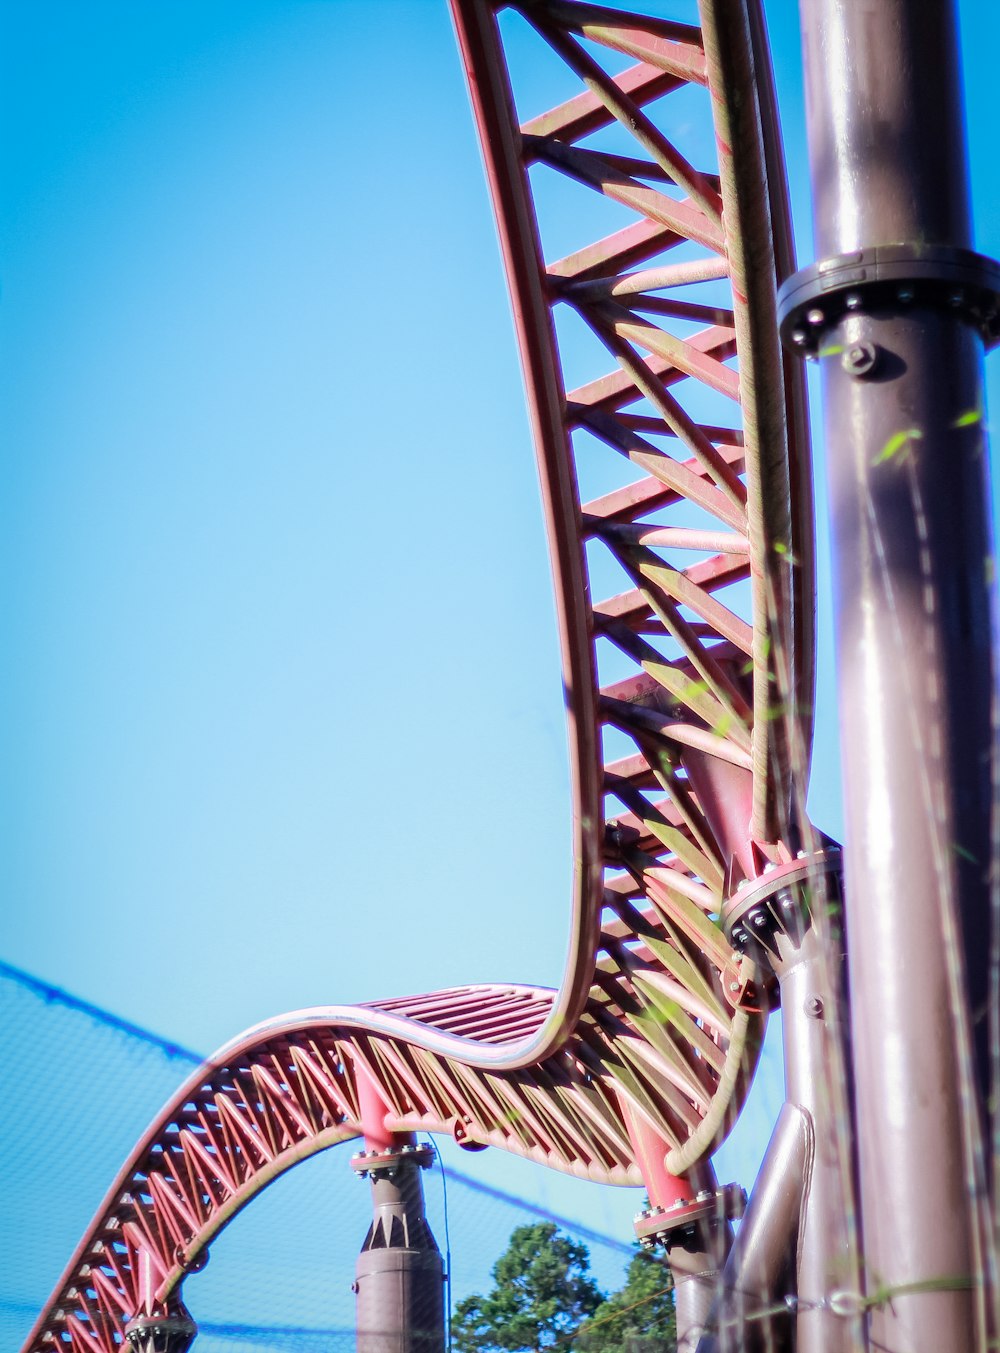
(888, 275)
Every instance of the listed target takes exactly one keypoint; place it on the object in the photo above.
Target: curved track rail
(688, 689)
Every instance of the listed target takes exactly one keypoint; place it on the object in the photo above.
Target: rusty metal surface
(652, 1034)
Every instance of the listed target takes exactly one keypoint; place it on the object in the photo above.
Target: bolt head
(815, 316)
(860, 359)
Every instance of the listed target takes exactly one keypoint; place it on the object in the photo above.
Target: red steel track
(653, 1034)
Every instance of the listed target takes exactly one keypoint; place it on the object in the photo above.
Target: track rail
(688, 690)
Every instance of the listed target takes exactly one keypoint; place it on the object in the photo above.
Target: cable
(58, 996)
(447, 1241)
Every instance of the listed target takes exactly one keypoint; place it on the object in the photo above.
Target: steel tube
(400, 1276)
(762, 1257)
(814, 1042)
(912, 564)
(696, 1274)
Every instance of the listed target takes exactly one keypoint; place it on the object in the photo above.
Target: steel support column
(896, 311)
(399, 1280)
(400, 1275)
(761, 1263)
(690, 1218)
(785, 920)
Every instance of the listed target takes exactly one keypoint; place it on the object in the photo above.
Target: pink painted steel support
(897, 310)
(399, 1278)
(690, 1218)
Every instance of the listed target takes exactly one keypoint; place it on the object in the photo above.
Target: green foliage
(898, 444)
(637, 1319)
(543, 1297)
(542, 1291)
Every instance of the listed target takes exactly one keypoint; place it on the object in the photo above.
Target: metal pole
(896, 310)
(696, 1233)
(400, 1276)
(761, 1263)
(690, 1217)
(782, 920)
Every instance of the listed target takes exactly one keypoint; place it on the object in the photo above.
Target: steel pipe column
(698, 1238)
(761, 1263)
(400, 1275)
(897, 325)
(786, 921)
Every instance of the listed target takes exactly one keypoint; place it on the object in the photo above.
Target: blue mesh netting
(77, 1089)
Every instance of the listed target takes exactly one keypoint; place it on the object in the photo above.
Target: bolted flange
(172, 1332)
(680, 1223)
(817, 298)
(769, 915)
(379, 1163)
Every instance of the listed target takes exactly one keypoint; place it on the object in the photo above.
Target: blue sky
(282, 712)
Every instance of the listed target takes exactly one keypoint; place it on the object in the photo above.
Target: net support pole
(896, 311)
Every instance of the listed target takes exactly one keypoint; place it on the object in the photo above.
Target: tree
(542, 1293)
(640, 1317)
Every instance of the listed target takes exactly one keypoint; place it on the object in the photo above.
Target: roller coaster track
(699, 670)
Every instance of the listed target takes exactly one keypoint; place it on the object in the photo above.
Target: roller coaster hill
(703, 897)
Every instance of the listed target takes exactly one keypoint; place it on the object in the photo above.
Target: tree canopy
(639, 1317)
(542, 1291)
(543, 1297)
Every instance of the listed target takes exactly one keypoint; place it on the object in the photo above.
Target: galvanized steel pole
(896, 311)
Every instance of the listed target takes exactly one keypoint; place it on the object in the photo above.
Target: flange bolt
(860, 359)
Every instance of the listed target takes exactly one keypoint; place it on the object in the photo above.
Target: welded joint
(815, 299)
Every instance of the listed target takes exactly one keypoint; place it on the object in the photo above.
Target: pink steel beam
(652, 1035)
